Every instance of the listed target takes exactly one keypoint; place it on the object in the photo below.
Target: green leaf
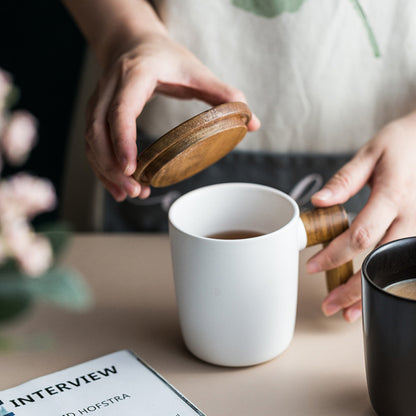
(63, 287)
(9, 266)
(270, 8)
(14, 306)
(58, 235)
(370, 33)
(60, 286)
(15, 299)
(12, 97)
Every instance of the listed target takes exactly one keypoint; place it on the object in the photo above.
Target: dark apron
(296, 174)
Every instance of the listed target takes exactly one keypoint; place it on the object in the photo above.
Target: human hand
(153, 64)
(387, 164)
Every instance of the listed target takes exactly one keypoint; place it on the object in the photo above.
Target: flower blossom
(37, 258)
(18, 137)
(21, 197)
(32, 252)
(24, 195)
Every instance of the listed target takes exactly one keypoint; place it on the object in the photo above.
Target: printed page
(116, 384)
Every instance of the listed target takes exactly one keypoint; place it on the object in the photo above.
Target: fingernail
(313, 267)
(323, 194)
(132, 188)
(127, 169)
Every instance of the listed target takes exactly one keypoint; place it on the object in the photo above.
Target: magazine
(115, 384)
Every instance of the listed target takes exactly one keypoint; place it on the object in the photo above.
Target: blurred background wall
(42, 48)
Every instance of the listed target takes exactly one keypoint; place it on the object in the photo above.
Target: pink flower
(24, 195)
(19, 137)
(17, 236)
(32, 252)
(37, 257)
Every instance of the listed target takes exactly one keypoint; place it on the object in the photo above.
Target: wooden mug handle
(322, 225)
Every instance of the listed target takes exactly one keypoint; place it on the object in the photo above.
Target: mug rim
(296, 211)
(374, 252)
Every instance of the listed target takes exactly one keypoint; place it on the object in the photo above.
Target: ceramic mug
(237, 298)
(389, 326)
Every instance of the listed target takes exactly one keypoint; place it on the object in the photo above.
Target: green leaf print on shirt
(268, 8)
(272, 8)
(370, 33)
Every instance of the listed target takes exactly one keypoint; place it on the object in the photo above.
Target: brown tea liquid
(404, 289)
(235, 234)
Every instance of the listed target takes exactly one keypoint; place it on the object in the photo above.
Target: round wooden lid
(193, 145)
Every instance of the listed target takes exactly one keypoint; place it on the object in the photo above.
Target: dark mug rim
(398, 242)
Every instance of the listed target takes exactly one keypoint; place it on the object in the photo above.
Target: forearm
(112, 25)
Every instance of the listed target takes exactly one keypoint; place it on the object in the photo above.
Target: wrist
(132, 28)
(123, 42)
(112, 26)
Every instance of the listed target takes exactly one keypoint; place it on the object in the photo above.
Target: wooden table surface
(321, 373)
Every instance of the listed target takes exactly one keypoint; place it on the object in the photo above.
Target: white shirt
(310, 76)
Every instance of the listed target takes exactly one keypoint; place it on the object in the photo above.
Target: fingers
(385, 163)
(214, 92)
(99, 146)
(157, 65)
(116, 191)
(103, 163)
(345, 297)
(133, 91)
(349, 179)
(195, 80)
(366, 230)
(403, 226)
(352, 313)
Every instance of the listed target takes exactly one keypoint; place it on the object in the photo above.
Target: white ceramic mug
(237, 299)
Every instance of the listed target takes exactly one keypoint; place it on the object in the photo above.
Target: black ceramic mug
(389, 325)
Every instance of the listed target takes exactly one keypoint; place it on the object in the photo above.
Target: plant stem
(370, 33)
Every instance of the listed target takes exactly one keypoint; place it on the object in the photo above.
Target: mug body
(236, 297)
(389, 327)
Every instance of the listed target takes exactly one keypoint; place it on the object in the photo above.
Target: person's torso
(310, 76)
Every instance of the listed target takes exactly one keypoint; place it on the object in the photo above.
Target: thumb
(350, 179)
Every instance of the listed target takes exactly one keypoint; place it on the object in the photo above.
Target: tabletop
(321, 373)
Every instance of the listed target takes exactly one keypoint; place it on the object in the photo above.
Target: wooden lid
(193, 145)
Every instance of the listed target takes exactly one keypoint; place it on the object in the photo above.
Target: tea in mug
(235, 234)
(404, 288)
